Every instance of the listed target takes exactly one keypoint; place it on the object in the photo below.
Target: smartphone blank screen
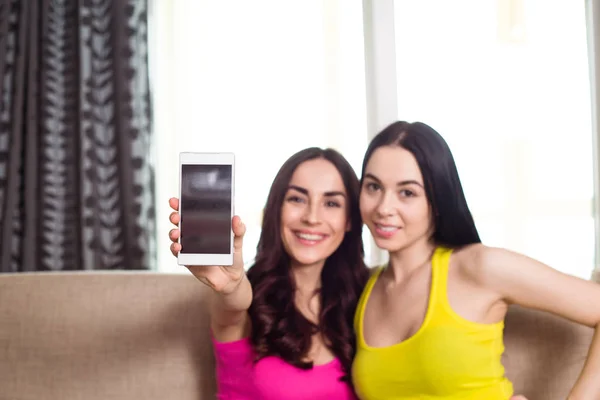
(206, 209)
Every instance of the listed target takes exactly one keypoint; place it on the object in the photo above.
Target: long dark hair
(278, 328)
(453, 223)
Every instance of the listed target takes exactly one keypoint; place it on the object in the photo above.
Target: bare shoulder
(519, 279)
(478, 262)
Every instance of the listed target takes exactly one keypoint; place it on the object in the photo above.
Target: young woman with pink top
(283, 331)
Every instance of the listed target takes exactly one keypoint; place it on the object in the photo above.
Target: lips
(309, 238)
(386, 231)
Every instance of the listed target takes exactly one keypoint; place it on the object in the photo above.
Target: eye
(372, 186)
(407, 193)
(295, 199)
(332, 203)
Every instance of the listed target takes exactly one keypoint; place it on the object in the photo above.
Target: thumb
(239, 229)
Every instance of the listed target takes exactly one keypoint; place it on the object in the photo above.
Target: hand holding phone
(223, 279)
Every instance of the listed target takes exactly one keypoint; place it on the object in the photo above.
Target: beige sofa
(144, 335)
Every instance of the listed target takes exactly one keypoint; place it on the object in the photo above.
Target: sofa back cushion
(145, 335)
(105, 336)
(544, 354)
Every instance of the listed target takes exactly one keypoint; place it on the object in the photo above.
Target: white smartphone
(206, 190)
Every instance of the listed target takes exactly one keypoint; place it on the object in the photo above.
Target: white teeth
(387, 228)
(307, 236)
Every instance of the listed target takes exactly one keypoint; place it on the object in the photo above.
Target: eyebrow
(401, 183)
(305, 191)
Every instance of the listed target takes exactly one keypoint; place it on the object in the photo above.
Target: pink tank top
(238, 378)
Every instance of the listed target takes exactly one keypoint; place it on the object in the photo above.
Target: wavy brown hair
(278, 328)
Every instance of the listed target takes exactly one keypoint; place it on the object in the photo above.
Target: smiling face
(314, 214)
(393, 202)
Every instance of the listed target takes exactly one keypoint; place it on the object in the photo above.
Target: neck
(406, 261)
(307, 278)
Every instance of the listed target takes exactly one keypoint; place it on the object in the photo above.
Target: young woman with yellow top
(429, 324)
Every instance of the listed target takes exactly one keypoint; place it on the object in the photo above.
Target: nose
(311, 214)
(385, 206)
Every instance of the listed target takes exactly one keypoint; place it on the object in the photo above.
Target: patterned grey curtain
(76, 179)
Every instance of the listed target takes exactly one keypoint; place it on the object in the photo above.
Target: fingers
(174, 218)
(174, 235)
(239, 229)
(175, 248)
(174, 203)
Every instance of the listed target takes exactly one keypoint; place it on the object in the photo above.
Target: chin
(302, 257)
(306, 261)
(389, 245)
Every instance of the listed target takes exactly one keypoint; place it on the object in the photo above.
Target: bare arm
(232, 292)
(524, 281)
(229, 310)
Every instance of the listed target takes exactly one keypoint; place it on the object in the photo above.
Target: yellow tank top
(448, 358)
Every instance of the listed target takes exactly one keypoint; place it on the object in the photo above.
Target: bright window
(510, 92)
(261, 78)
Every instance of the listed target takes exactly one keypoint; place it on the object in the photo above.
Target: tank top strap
(440, 262)
(362, 304)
